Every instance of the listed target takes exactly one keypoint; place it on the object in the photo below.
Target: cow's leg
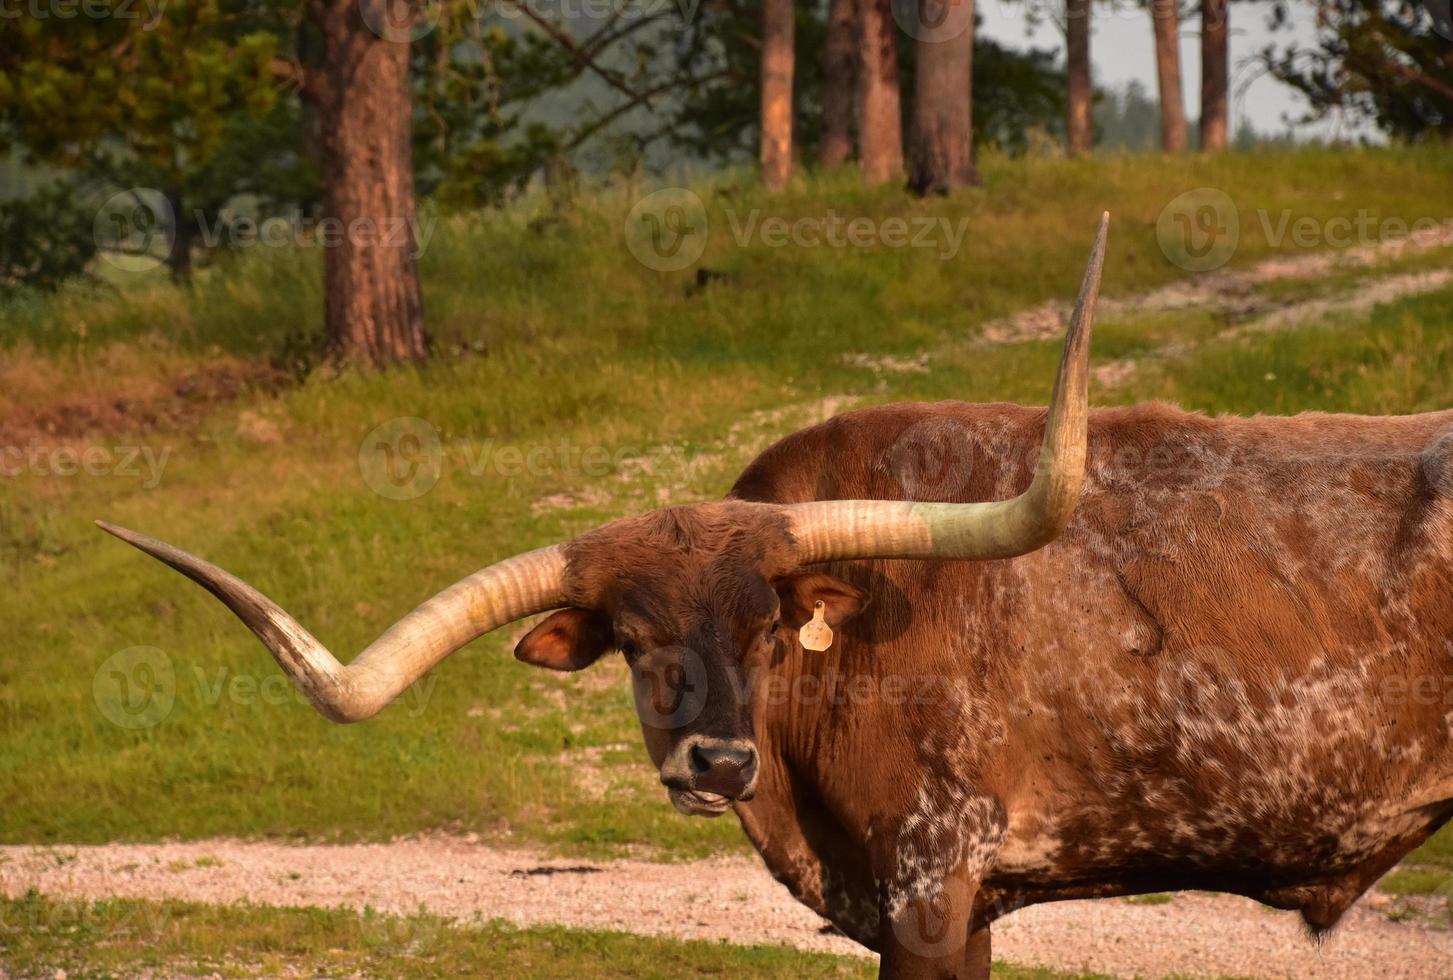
(929, 872)
(926, 933)
(978, 957)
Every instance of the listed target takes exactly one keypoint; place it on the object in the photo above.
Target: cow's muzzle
(705, 775)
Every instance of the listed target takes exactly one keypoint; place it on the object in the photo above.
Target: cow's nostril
(723, 767)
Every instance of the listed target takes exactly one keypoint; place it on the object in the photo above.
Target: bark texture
(880, 114)
(1079, 125)
(1215, 74)
(943, 145)
(777, 68)
(839, 78)
(1165, 16)
(184, 230)
(373, 310)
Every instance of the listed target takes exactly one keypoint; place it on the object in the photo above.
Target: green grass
(1438, 852)
(1418, 881)
(40, 936)
(569, 338)
(1154, 898)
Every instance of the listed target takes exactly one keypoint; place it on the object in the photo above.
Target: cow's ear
(569, 639)
(801, 593)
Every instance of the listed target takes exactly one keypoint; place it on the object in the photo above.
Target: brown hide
(1233, 670)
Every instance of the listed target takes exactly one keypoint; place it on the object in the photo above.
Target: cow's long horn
(846, 529)
(486, 600)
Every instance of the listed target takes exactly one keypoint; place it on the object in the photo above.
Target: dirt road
(732, 899)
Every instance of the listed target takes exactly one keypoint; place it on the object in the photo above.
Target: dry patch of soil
(123, 391)
(732, 899)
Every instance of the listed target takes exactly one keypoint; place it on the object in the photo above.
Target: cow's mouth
(699, 802)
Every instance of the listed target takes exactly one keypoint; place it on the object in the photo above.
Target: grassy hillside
(558, 349)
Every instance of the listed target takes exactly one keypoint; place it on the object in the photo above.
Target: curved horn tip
(136, 539)
(1102, 233)
(116, 531)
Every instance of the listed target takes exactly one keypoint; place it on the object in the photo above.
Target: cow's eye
(628, 650)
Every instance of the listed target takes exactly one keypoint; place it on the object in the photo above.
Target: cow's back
(1233, 666)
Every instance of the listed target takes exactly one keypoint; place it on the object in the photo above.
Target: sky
(1122, 49)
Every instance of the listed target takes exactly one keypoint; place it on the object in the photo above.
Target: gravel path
(1233, 294)
(732, 899)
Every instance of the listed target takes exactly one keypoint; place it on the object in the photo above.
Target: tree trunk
(943, 144)
(839, 77)
(372, 307)
(1079, 125)
(1215, 74)
(184, 230)
(1166, 17)
(880, 119)
(777, 66)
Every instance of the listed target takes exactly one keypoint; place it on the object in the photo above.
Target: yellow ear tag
(816, 634)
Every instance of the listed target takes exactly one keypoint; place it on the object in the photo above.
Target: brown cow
(1229, 671)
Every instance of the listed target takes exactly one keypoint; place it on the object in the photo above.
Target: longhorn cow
(1185, 652)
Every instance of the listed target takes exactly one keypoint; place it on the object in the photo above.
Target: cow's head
(696, 598)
